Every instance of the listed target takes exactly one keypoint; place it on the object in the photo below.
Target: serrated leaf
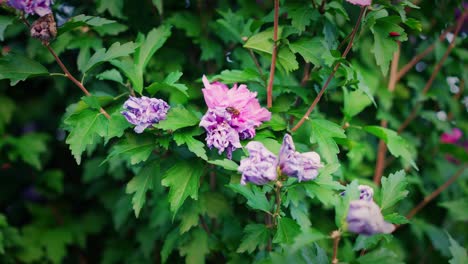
(323, 132)
(313, 50)
(355, 102)
(238, 76)
(287, 230)
(397, 146)
(369, 242)
(140, 184)
(86, 127)
(111, 75)
(114, 7)
(457, 209)
(306, 238)
(135, 149)
(195, 146)
(255, 235)
(183, 179)
(314, 190)
(458, 252)
(103, 55)
(169, 84)
(196, 250)
(384, 44)
(19, 68)
(149, 45)
(178, 117)
(342, 203)
(117, 126)
(393, 189)
(256, 199)
(29, 147)
(227, 164)
(396, 218)
(129, 69)
(301, 17)
(83, 20)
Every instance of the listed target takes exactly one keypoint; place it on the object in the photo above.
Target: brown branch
(382, 149)
(435, 72)
(273, 57)
(407, 67)
(327, 82)
(435, 193)
(335, 235)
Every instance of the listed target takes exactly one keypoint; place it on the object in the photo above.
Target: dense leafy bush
(233, 131)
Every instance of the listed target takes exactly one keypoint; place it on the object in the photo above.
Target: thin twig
(407, 67)
(382, 149)
(322, 7)
(273, 57)
(434, 72)
(278, 202)
(435, 193)
(327, 82)
(335, 235)
(257, 64)
(204, 225)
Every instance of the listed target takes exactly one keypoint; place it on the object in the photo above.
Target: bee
(233, 111)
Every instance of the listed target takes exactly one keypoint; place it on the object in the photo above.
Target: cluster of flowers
(31, 7)
(262, 166)
(364, 215)
(454, 138)
(360, 2)
(233, 114)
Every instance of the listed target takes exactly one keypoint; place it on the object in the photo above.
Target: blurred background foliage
(55, 211)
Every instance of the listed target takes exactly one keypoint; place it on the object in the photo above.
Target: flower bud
(44, 28)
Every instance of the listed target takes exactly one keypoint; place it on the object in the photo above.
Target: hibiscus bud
(144, 112)
(44, 28)
(364, 217)
(260, 167)
(394, 34)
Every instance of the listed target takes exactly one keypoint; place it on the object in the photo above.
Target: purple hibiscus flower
(39, 7)
(364, 217)
(144, 112)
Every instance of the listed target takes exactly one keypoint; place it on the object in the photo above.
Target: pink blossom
(230, 110)
(360, 2)
(451, 138)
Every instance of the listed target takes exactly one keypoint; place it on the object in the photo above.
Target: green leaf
(83, 20)
(381, 256)
(256, 199)
(227, 164)
(195, 146)
(255, 236)
(238, 76)
(169, 84)
(183, 179)
(55, 242)
(301, 17)
(306, 238)
(140, 184)
(288, 229)
(458, 252)
(111, 75)
(323, 132)
(314, 190)
(86, 127)
(6, 112)
(342, 203)
(4, 23)
(117, 126)
(196, 250)
(397, 146)
(149, 45)
(393, 189)
(115, 51)
(114, 7)
(457, 209)
(384, 44)
(178, 117)
(369, 242)
(135, 149)
(29, 147)
(355, 102)
(19, 68)
(313, 50)
(159, 6)
(396, 218)
(129, 69)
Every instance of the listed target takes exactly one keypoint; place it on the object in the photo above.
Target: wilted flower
(451, 138)
(303, 166)
(39, 7)
(44, 28)
(144, 112)
(364, 217)
(260, 167)
(360, 2)
(236, 109)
